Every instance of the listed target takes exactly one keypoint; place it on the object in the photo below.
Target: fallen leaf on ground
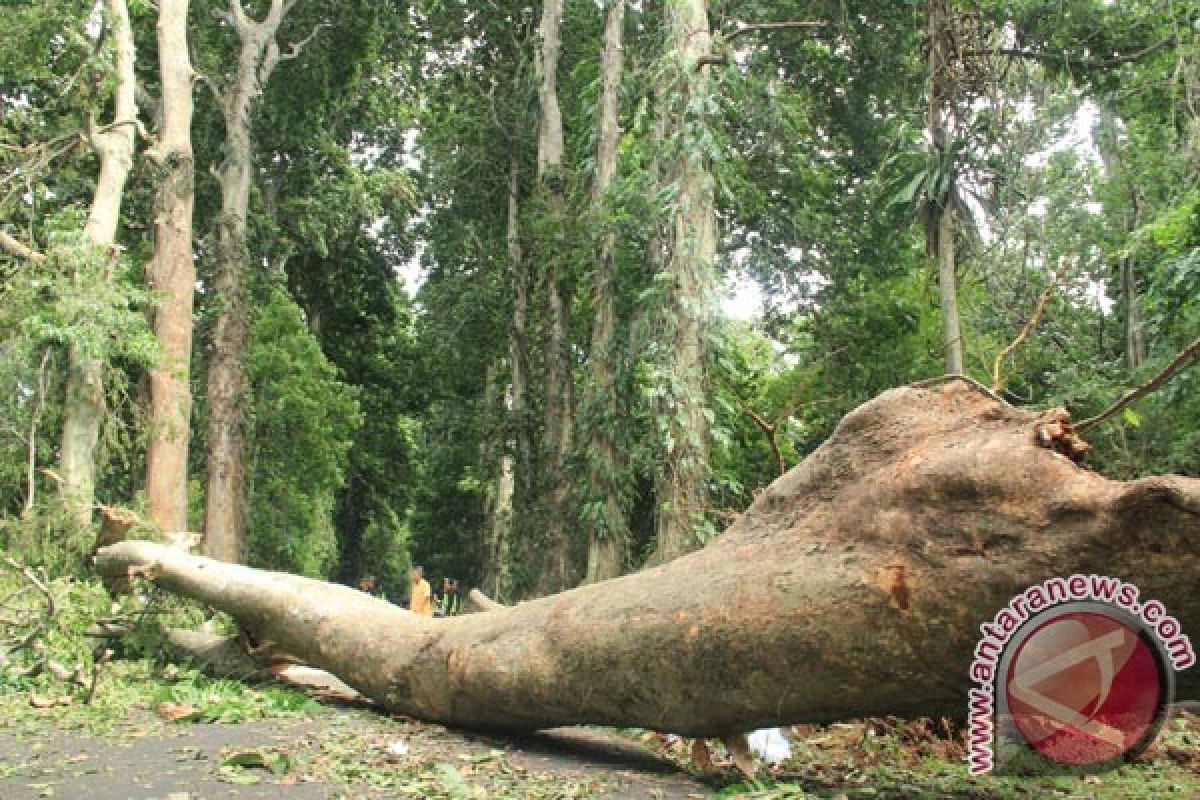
(174, 712)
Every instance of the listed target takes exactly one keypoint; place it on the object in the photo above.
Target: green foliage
(301, 429)
(228, 701)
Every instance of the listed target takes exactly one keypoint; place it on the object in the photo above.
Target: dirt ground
(335, 755)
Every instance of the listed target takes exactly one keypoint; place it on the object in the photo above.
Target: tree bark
(608, 533)
(519, 345)
(83, 405)
(493, 572)
(1135, 334)
(554, 572)
(948, 291)
(171, 274)
(942, 230)
(680, 489)
(224, 501)
(854, 586)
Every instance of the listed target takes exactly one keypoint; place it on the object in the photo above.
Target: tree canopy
(537, 294)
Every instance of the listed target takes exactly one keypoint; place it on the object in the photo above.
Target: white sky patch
(1077, 137)
(411, 273)
(1097, 295)
(742, 299)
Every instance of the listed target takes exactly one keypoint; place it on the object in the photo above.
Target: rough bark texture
(608, 536)
(1135, 334)
(855, 585)
(519, 346)
(493, 568)
(554, 572)
(942, 230)
(224, 510)
(83, 404)
(693, 247)
(171, 275)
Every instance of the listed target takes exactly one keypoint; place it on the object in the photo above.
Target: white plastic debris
(398, 748)
(770, 745)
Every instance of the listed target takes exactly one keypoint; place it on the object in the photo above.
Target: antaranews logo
(1073, 674)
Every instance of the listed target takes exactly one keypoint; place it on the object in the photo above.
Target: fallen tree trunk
(854, 586)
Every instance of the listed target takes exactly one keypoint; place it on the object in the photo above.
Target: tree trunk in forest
(1135, 335)
(554, 571)
(854, 586)
(608, 535)
(519, 346)
(512, 474)
(83, 405)
(680, 492)
(493, 569)
(224, 501)
(1109, 146)
(171, 274)
(941, 231)
(948, 291)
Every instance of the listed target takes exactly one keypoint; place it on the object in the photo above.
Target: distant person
(450, 602)
(421, 600)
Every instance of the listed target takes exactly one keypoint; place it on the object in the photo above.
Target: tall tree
(941, 225)
(515, 404)
(171, 273)
(607, 525)
(113, 143)
(690, 287)
(555, 572)
(259, 54)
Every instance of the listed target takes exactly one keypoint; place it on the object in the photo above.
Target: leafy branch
(1176, 365)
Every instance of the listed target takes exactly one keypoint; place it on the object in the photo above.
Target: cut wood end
(1054, 432)
(150, 572)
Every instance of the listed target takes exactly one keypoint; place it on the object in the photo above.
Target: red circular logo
(1085, 687)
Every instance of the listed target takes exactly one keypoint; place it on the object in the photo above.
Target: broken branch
(1177, 364)
(997, 382)
(19, 249)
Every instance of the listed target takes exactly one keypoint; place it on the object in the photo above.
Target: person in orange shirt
(421, 601)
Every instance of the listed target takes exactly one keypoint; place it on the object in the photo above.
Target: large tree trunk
(608, 532)
(83, 406)
(172, 275)
(680, 492)
(519, 345)
(941, 230)
(854, 586)
(510, 472)
(554, 570)
(224, 498)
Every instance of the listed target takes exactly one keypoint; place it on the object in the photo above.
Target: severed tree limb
(30, 639)
(854, 586)
(16, 247)
(35, 419)
(772, 432)
(1177, 364)
(997, 382)
(481, 602)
